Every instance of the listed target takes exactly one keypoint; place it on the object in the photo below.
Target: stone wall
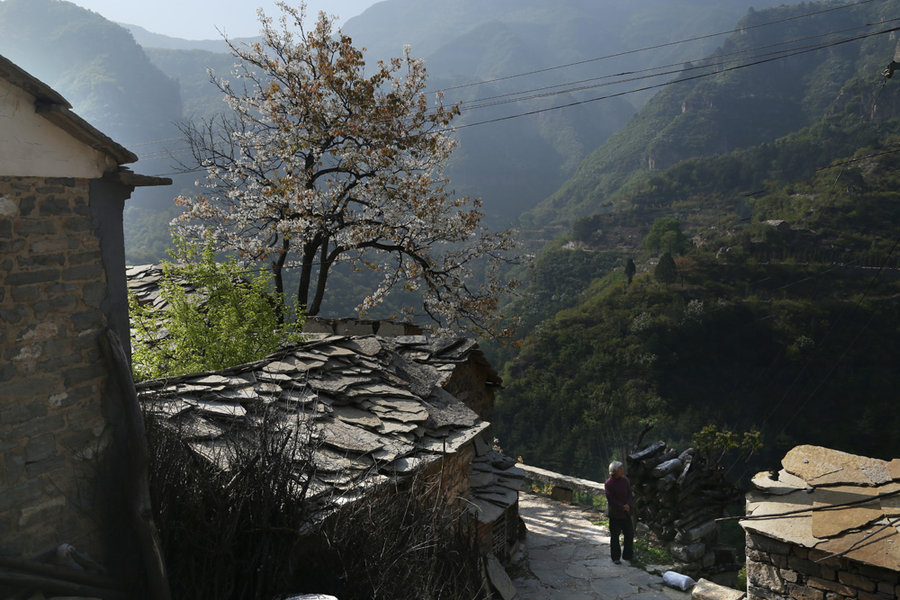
(470, 383)
(359, 327)
(454, 472)
(52, 375)
(776, 571)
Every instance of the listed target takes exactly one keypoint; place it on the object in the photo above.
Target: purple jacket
(618, 494)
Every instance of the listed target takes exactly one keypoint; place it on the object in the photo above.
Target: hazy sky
(198, 19)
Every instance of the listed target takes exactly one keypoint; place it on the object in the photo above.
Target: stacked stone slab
(824, 527)
(679, 497)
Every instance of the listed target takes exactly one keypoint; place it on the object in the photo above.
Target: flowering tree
(319, 163)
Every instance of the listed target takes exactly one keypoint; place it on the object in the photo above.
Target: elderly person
(619, 500)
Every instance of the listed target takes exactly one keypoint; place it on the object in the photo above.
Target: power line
(780, 55)
(674, 81)
(853, 160)
(706, 64)
(463, 103)
(647, 48)
(654, 47)
(717, 68)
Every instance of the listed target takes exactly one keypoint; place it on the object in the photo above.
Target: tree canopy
(666, 236)
(319, 163)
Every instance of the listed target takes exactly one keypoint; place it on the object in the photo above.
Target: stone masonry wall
(454, 471)
(469, 384)
(776, 571)
(52, 375)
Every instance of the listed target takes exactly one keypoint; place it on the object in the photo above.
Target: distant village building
(824, 527)
(62, 287)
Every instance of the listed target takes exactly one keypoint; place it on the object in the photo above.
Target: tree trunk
(324, 266)
(278, 272)
(309, 250)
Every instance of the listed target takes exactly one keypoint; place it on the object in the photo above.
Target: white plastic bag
(678, 581)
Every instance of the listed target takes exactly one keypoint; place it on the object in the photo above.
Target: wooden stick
(135, 439)
(53, 585)
(21, 565)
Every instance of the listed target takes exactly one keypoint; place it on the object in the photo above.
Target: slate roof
(815, 477)
(143, 282)
(374, 406)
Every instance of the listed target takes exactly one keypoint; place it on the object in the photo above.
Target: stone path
(568, 559)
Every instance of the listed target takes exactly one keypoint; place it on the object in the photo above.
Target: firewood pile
(678, 496)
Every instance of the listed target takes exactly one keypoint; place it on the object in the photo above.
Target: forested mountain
(780, 206)
(514, 164)
(741, 107)
(95, 64)
(783, 319)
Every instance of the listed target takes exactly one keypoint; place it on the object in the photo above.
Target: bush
(232, 317)
(236, 532)
(399, 542)
(229, 533)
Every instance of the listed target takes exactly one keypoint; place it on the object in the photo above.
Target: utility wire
(853, 160)
(716, 66)
(654, 47)
(681, 64)
(795, 52)
(516, 96)
(647, 48)
(674, 81)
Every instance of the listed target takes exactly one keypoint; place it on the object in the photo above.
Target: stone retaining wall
(781, 571)
(52, 375)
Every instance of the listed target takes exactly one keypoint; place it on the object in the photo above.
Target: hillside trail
(568, 559)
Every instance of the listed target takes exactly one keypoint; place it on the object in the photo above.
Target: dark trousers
(617, 526)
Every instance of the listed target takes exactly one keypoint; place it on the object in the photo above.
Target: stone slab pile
(679, 497)
(824, 527)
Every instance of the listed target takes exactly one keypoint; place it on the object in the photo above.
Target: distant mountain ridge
(149, 39)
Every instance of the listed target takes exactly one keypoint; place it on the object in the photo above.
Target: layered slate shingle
(371, 408)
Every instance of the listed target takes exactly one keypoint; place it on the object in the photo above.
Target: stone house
(824, 527)
(370, 409)
(62, 288)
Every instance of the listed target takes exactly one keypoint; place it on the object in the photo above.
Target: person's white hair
(614, 466)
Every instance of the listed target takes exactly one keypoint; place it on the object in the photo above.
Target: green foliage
(666, 236)
(714, 443)
(648, 551)
(778, 328)
(666, 272)
(741, 579)
(231, 316)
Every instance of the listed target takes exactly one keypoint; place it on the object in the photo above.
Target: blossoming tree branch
(318, 163)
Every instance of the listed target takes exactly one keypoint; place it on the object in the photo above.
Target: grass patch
(648, 551)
